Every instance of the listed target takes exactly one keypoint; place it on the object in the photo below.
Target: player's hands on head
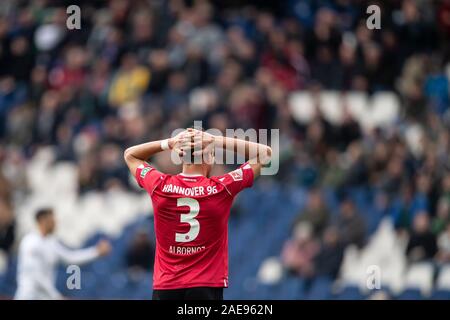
(191, 139)
(203, 141)
(103, 247)
(181, 142)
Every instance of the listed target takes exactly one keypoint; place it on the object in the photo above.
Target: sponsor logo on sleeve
(145, 171)
(236, 175)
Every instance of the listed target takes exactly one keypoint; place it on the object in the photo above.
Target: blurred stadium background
(364, 137)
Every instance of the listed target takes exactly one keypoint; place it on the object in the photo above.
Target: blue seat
(292, 289)
(441, 295)
(320, 289)
(350, 293)
(410, 294)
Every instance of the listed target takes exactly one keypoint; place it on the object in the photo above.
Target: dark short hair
(42, 213)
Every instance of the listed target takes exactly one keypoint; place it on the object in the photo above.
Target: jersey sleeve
(237, 180)
(147, 177)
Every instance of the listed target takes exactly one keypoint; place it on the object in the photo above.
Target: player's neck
(194, 169)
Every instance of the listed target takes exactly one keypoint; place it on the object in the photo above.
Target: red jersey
(191, 224)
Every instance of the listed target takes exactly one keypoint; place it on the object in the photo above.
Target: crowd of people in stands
(137, 70)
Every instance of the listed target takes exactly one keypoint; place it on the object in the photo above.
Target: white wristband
(165, 144)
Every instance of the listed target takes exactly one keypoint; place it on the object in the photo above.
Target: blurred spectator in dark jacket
(422, 242)
(350, 225)
(316, 212)
(357, 172)
(141, 253)
(348, 131)
(329, 259)
(21, 59)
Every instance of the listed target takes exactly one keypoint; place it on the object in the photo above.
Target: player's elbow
(265, 155)
(127, 155)
(269, 152)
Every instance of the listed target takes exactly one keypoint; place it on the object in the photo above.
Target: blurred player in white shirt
(39, 254)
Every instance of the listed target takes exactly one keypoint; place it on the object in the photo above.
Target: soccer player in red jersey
(191, 211)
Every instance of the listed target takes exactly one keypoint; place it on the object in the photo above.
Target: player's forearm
(143, 151)
(250, 150)
(136, 155)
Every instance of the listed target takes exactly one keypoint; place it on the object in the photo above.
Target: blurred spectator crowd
(136, 70)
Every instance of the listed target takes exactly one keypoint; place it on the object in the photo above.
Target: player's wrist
(167, 144)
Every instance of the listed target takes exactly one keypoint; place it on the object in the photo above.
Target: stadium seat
(385, 108)
(349, 293)
(320, 289)
(356, 103)
(292, 288)
(443, 280)
(302, 106)
(419, 278)
(3, 262)
(442, 290)
(270, 271)
(410, 294)
(331, 106)
(440, 295)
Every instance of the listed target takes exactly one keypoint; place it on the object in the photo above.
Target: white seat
(382, 109)
(3, 262)
(331, 105)
(420, 276)
(65, 178)
(200, 99)
(356, 103)
(443, 280)
(385, 108)
(270, 271)
(414, 136)
(351, 271)
(302, 106)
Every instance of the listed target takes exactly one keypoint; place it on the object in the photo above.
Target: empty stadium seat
(331, 106)
(356, 103)
(379, 110)
(302, 107)
(443, 280)
(320, 289)
(419, 278)
(292, 288)
(270, 271)
(350, 293)
(410, 294)
(385, 108)
(3, 262)
(442, 290)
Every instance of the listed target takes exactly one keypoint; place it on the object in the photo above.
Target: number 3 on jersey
(194, 209)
